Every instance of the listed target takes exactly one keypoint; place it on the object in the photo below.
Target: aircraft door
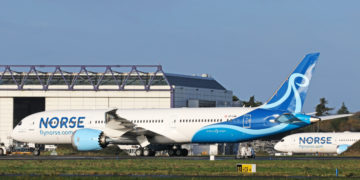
(172, 122)
(247, 121)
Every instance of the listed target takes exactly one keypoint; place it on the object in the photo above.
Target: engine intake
(341, 148)
(88, 140)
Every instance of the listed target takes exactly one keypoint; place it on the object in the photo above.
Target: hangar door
(24, 106)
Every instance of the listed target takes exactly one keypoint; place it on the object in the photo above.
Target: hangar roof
(97, 77)
(193, 81)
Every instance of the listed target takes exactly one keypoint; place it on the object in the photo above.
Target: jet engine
(88, 140)
(341, 148)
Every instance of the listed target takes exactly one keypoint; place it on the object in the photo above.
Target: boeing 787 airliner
(169, 128)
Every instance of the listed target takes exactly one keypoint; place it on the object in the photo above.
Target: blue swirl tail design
(291, 95)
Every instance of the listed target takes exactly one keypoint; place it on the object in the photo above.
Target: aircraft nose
(277, 147)
(16, 135)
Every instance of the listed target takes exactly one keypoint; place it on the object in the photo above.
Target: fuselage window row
(181, 121)
(146, 121)
(200, 120)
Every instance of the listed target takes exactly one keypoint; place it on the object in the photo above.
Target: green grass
(152, 178)
(177, 167)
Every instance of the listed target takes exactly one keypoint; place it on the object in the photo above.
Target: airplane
(335, 143)
(168, 129)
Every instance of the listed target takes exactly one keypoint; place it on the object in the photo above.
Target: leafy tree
(252, 102)
(235, 98)
(343, 109)
(321, 108)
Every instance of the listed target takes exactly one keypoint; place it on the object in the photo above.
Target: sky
(249, 46)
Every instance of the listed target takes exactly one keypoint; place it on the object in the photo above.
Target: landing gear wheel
(36, 152)
(146, 152)
(178, 152)
(184, 152)
(1, 152)
(139, 152)
(171, 152)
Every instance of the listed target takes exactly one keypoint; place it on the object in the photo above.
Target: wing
(118, 127)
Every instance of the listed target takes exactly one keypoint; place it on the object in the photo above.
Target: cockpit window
(19, 124)
(287, 118)
(282, 140)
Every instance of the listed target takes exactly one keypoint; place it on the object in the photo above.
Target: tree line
(321, 109)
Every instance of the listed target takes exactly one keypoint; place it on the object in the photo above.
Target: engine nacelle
(88, 140)
(341, 148)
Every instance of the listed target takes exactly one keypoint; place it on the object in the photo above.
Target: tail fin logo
(292, 87)
(292, 93)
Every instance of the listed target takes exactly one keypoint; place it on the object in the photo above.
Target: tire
(1, 152)
(178, 152)
(146, 152)
(184, 152)
(36, 152)
(171, 152)
(139, 152)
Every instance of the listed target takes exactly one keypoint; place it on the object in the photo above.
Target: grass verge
(178, 167)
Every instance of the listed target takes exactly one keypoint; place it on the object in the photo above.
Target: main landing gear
(144, 152)
(178, 152)
(171, 150)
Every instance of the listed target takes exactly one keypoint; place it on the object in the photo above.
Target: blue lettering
(53, 125)
(316, 140)
(72, 122)
(302, 140)
(43, 123)
(323, 140)
(309, 140)
(80, 122)
(64, 121)
(328, 140)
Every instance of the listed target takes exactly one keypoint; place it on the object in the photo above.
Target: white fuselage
(316, 142)
(178, 125)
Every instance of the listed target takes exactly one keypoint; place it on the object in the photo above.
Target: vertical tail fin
(292, 93)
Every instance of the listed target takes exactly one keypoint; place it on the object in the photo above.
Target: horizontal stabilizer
(331, 117)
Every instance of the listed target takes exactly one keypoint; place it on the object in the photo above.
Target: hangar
(27, 89)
